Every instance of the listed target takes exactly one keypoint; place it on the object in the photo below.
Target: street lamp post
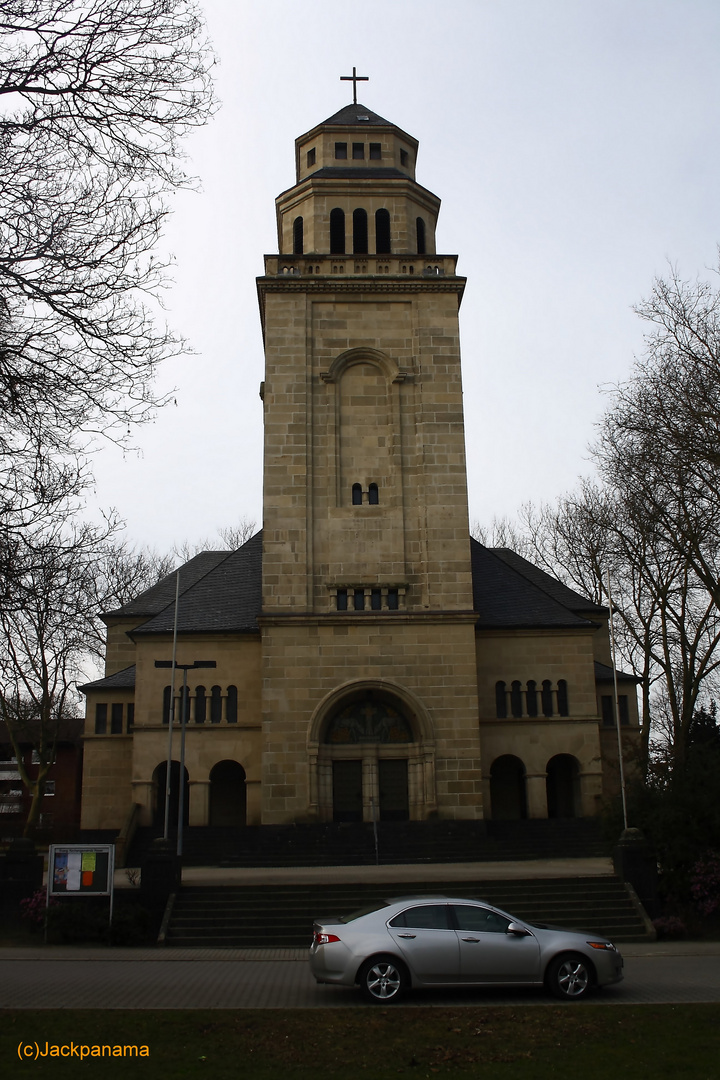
(183, 724)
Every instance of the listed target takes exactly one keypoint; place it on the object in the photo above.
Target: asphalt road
(251, 979)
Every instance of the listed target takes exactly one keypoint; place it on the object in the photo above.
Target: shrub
(705, 883)
(33, 908)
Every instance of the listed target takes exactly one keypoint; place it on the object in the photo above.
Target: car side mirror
(519, 931)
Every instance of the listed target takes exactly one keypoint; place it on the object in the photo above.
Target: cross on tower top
(354, 79)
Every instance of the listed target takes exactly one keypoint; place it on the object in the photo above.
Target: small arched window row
(531, 699)
(371, 496)
(360, 242)
(369, 598)
(202, 705)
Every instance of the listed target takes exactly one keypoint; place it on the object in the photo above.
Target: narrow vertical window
(531, 698)
(341, 599)
(500, 700)
(404, 158)
(358, 151)
(359, 600)
(516, 702)
(298, 236)
(360, 232)
(100, 719)
(116, 718)
(382, 232)
(311, 157)
(166, 705)
(183, 705)
(356, 495)
(608, 713)
(232, 699)
(215, 705)
(375, 600)
(392, 599)
(547, 698)
(373, 495)
(375, 151)
(562, 697)
(623, 709)
(337, 231)
(420, 227)
(200, 705)
(340, 150)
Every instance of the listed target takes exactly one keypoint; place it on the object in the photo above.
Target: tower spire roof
(356, 114)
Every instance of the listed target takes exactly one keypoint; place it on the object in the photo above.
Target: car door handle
(475, 939)
(407, 935)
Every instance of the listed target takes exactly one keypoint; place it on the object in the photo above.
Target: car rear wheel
(383, 980)
(569, 977)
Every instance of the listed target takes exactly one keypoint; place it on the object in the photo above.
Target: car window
(424, 917)
(477, 918)
(363, 911)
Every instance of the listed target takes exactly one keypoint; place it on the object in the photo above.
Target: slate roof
(338, 172)
(221, 592)
(121, 680)
(157, 598)
(227, 599)
(554, 588)
(503, 596)
(604, 673)
(350, 115)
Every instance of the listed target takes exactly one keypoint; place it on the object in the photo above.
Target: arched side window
(420, 227)
(232, 702)
(298, 236)
(382, 232)
(166, 704)
(373, 495)
(215, 705)
(547, 698)
(516, 702)
(500, 700)
(360, 232)
(562, 697)
(200, 704)
(357, 495)
(337, 231)
(531, 698)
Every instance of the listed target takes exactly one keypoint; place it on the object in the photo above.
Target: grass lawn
(679, 1042)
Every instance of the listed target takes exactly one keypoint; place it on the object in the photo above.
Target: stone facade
(371, 660)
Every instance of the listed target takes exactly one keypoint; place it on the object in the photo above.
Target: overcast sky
(574, 145)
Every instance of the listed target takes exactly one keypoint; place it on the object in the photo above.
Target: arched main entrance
(228, 795)
(508, 798)
(159, 782)
(563, 786)
(372, 763)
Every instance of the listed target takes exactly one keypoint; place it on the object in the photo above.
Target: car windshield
(378, 906)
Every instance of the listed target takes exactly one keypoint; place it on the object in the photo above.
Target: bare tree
(230, 537)
(96, 95)
(44, 645)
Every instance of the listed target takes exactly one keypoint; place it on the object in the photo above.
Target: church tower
(369, 669)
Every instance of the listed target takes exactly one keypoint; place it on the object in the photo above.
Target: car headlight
(608, 945)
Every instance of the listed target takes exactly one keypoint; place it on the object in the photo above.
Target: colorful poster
(73, 880)
(60, 868)
(89, 860)
(74, 860)
(87, 879)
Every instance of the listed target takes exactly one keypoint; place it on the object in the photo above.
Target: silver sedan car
(440, 941)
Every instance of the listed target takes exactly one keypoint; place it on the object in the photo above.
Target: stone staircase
(399, 843)
(281, 916)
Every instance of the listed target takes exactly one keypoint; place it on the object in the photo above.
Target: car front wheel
(569, 977)
(383, 980)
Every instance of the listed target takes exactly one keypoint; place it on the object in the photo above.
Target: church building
(372, 661)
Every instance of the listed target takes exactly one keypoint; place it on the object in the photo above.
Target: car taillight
(324, 939)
